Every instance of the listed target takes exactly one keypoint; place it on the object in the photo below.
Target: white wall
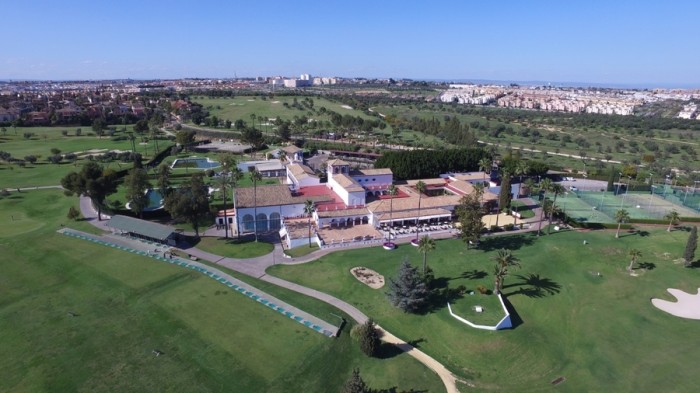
(375, 180)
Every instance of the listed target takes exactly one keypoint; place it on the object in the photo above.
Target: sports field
(579, 315)
(77, 316)
(600, 207)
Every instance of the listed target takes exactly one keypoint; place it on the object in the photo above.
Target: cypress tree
(690, 247)
(355, 384)
(611, 180)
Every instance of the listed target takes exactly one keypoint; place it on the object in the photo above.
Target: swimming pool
(194, 162)
(155, 201)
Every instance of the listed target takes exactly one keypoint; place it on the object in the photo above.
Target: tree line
(418, 164)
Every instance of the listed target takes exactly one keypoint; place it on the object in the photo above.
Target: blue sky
(650, 43)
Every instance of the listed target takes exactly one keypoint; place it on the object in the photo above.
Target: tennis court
(601, 207)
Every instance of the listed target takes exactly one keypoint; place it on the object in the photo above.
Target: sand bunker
(687, 306)
(368, 277)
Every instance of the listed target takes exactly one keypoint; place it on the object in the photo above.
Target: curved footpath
(256, 267)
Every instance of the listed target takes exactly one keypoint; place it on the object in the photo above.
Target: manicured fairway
(126, 306)
(234, 248)
(600, 332)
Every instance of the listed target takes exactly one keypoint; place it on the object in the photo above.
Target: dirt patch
(368, 277)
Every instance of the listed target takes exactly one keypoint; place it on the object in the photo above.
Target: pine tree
(73, 213)
(368, 337)
(690, 247)
(408, 292)
(355, 384)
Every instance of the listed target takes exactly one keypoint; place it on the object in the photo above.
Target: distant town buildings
(561, 99)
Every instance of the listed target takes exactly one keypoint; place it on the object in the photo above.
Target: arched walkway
(248, 222)
(262, 222)
(274, 221)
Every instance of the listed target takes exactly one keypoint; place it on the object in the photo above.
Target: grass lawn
(128, 305)
(234, 248)
(301, 250)
(491, 313)
(600, 332)
(521, 208)
(43, 173)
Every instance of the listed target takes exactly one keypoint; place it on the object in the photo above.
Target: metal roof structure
(141, 227)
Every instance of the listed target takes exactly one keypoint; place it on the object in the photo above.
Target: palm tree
(420, 186)
(227, 161)
(521, 168)
(556, 189)
(309, 209)
(504, 259)
(425, 245)
(391, 191)
(621, 216)
(234, 177)
(545, 185)
(224, 182)
(255, 176)
(282, 156)
(530, 185)
(484, 164)
(673, 217)
(634, 256)
(253, 116)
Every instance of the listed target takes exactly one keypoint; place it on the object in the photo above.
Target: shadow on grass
(393, 389)
(534, 286)
(472, 275)
(388, 351)
(647, 265)
(513, 242)
(515, 318)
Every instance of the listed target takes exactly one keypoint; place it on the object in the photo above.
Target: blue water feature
(198, 163)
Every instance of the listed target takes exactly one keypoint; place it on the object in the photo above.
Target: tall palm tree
(425, 245)
(504, 259)
(253, 116)
(530, 185)
(545, 185)
(621, 216)
(227, 161)
(391, 191)
(224, 182)
(255, 176)
(484, 164)
(309, 210)
(521, 168)
(420, 186)
(673, 217)
(556, 189)
(234, 177)
(634, 256)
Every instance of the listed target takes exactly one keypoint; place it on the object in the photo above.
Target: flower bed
(389, 245)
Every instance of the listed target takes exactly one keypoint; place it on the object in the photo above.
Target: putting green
(17, 223)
